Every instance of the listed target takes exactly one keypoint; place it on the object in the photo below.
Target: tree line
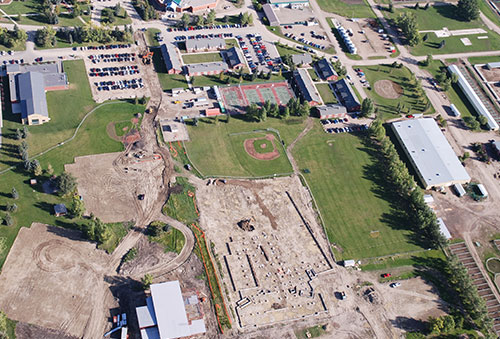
(14, 37)
(423, 220)
(293, 107)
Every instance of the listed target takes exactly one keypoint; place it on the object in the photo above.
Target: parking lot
(260, 55)
(344, 125)
(368, 37)
(114, 72)
(312, 36)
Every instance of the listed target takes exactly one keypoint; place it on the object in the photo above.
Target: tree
(77, 10)
(155, 228)
(429, 59)
(147, 280)
(8, 220)
(11, 207)
(407, 22)
(44, 37)
(367, 107)
(77, 208)
(391, 7)
(483, 121)
(468, 9)
(65, 183)
(454, 78)
(211, 17)
(19, 17)
(446, 84)
(14, 193)
(118, 10)
(18, 134)
(25, 132)
(185, 20)
(37, 168)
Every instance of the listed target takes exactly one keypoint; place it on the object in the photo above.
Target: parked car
(394, 285)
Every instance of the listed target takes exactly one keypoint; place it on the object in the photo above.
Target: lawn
(437, 17)
(489, 12)
(346, 183)
(150, 37)
(180, 205)
(225, 155)
(313, 74)
(455, 94)
(286, 50)
(91, 139)
(483, 59)
(199, 58)
(118, 231)
(33, 7)
(172, 240)
(388, 107)
(326, 93)
(348, 10)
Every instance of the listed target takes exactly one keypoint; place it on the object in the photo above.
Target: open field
(326, 93)
(348, 8)
(172, 240)
(167, 81)
(400, 79)
(344, 179)
(225, 154)
(199, 58)
(484, 59)
(180, 205)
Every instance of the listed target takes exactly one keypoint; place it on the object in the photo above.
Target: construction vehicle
(146, 57)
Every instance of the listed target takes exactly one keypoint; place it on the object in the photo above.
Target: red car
(386, 275)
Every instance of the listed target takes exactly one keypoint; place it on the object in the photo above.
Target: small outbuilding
(349, 263)
(60, 210)
(304, 59)
(443, 229)
(331, 111)
(211, 112)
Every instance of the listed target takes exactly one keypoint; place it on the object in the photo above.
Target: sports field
(217, 148)
(344, 181)
(236, 98)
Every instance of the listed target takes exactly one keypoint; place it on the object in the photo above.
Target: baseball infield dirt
(250, 149)
(388, 89)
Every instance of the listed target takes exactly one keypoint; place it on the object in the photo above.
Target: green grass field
(180, 206)
(91, 139)
(118, 231)
(167, 81)
(437, 17)
(326, 93)
(388, 107)
(150, 37)
(488, 11)
(313, 74)
(348, 10)
(344, 179)
(225, 155)
(172, 240)
(201, 58)
(483, 59)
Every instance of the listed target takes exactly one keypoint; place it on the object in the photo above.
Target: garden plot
(270, 247)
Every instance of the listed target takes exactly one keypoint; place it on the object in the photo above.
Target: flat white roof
(171, 312)
(430, 152)
(150, 333)
(146, 314)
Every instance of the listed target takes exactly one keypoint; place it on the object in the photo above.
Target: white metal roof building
(164, 316)
(474, 99)
(271, 16)
(443, 229)
(430, 153)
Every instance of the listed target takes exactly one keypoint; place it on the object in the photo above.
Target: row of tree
(110, 14)
(422, 218)
(197, 20)
(407, 22)
(47, 36)
(294, 107)
(145, 10)
(11, 38)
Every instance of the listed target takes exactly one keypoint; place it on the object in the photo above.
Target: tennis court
(236, 98)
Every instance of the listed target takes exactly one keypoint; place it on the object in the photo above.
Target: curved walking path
(289, 149)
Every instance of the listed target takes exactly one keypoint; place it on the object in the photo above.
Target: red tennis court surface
(237, 98)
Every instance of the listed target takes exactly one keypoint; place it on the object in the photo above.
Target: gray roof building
(326, 70)
(306, 86)
(271, 16)
(205, 44)
(170, 57)
(234, 58)
(331, 110)
(206, 68)
(347, 95)
(492, 65)
(30, 87)
(302, 59)
(430, 153)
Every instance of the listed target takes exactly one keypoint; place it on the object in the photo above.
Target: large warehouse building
(430, 153)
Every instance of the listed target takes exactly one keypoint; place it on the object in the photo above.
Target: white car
(394, 285)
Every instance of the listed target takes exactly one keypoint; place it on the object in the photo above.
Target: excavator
(146, 57)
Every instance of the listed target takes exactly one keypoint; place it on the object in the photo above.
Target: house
(169, 314)
(326, 70)
(485, 109)
(205, 44)
(430, 154)
(171, 59)
(289, 3)
(60, 210)
(186, 5)
(306, 87)
(27, 87)
(233, 58)
(208, 68)
(331, 111)
(302, 59)
(211, 112)
(271, 15)
(347, 96)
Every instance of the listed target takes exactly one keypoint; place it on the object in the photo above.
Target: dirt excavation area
(276, 268)
(52, 280)
(111, 184)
